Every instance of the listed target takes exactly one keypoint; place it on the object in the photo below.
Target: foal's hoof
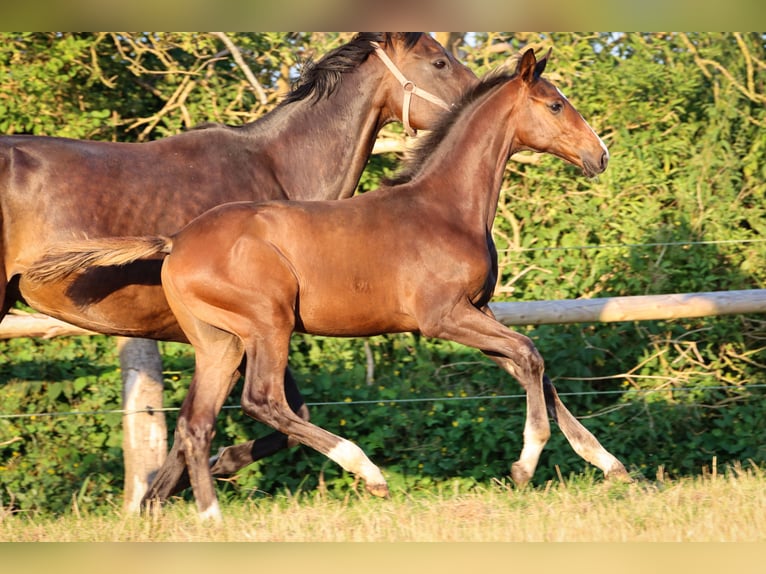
(618, 474)
(380, 490)
(520, 475)
(150, 507)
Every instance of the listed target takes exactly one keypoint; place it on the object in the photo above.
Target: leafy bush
(48, 459)
(680, 209)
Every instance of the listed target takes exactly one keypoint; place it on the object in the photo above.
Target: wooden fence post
(144, 433)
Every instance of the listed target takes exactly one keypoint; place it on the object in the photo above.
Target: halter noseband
(409, 88)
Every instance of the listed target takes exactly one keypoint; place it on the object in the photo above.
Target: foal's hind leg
(232, 458)
(217, 358)
(263, 398)
(173, 476)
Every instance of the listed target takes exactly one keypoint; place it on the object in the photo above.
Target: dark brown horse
(416, 255)
(313, 146)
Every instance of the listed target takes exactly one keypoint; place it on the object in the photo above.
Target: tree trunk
(144, 432)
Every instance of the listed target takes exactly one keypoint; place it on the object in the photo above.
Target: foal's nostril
(604, 160)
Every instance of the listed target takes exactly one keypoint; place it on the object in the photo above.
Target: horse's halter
(409, 88)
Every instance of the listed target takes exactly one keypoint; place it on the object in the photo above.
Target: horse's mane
(425, 147)
(319, 79)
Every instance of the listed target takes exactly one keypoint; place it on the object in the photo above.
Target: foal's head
(547, 122)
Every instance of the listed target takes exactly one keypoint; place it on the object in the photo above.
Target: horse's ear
(540, 66)
(526, 66)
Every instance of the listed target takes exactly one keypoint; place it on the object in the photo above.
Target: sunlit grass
(727, 506)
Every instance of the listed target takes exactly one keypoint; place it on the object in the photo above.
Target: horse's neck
(321, 148)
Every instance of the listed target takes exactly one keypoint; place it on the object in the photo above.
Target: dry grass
(722, 507)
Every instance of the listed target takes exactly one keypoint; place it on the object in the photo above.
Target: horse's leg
(514, 353)
(173, 476)
(263, 398)
(232, 458)
(523, 361)
(582, 440)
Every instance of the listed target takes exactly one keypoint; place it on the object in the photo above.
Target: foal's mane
(425, 147)
(319, 79)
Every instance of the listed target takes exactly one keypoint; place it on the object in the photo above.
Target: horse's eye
(556, 107)
(439, 64)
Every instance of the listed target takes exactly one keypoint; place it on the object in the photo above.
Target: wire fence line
(390, 402)
(632, 245)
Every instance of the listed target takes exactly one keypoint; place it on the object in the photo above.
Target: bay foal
(416, 255)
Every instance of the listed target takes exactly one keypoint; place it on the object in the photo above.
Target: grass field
(727, 506)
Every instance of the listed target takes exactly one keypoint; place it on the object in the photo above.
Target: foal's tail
(67, 257)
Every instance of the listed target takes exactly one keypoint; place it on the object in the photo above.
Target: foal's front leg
(581, 439)
(526, 365)
(517, 355)
(514, 353)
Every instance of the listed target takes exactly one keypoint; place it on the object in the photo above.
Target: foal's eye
(556, 107)
(439, 64)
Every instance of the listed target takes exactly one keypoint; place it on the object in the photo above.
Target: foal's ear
(540, 66)
(529, 67)
(526, 66)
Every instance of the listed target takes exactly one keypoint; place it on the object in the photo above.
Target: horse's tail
(67, 257)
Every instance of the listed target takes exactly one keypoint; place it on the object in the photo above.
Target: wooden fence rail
(631, 308)
(602, 310)
(23, 324)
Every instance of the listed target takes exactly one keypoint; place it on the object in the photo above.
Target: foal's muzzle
(591, 169)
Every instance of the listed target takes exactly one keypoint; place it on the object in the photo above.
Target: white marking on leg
(604, 460)
(352, 458)
(213, 513)
(530, 453)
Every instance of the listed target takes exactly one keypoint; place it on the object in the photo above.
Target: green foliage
(47, 460)
(680, 209)
(139, 86)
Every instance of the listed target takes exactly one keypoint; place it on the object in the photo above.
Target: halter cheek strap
(409, 88)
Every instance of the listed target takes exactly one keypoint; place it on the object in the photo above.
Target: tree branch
(237, 55)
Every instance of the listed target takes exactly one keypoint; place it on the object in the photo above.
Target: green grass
(726, 506)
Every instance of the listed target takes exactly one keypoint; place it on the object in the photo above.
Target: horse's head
(423, 79)
(546, 122)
